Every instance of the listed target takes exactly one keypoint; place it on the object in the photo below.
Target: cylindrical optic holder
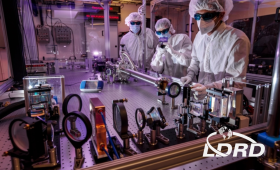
(140, 139)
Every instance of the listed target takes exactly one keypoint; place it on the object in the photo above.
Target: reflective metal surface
(141, 76)
(274, 116)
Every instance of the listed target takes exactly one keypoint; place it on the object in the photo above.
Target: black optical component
(156, 118)
(27, 137)
(173, 90)
(140, 118)
(77, 141)
(66, 102)
(120, 119)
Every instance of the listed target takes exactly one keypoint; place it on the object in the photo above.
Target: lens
(138, 23)
(155, 115)
(76, 128)
(158, 32)
(19, 136)
(117, 120)
(139, 119)
(132, 23)
(165, 31)
(208, 16)
(174, 90)
(197, 16)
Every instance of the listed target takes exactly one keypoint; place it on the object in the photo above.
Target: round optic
(120, 118)
(72, 103)
(19, 136)
(140, 118)
(173, 90)
(154, 114)
(77, 128)
(117, 119)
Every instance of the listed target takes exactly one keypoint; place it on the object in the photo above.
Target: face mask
(135, 28)
(167, 35)
(205, 27)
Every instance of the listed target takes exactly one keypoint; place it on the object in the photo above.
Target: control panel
(43, 35)
(62, 34)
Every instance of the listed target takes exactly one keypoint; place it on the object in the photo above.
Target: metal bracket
(162, 139)
(52, 162)
(190, 127)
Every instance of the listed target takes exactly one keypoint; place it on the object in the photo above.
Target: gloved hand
(186, 80)
(160, 50)
(200, 91)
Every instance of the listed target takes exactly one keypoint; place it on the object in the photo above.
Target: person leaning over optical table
(133, 40)
(173, 59)
(219, 51)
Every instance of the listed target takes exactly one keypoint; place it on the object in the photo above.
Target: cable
(60, 23)
(53, 18)
(110, 139)
(107, 153)
(11, 108)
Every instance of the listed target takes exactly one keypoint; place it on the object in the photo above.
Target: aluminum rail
(141, 76)
(176, 155)
(274, 109)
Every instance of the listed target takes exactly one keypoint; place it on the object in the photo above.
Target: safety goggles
(206, 16)
(135, 23)
(163, 31)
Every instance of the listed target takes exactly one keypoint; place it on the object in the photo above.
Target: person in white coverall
(219, 51)
(133, 40)
(174, 58)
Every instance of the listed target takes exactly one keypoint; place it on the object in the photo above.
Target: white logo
(239, 147)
